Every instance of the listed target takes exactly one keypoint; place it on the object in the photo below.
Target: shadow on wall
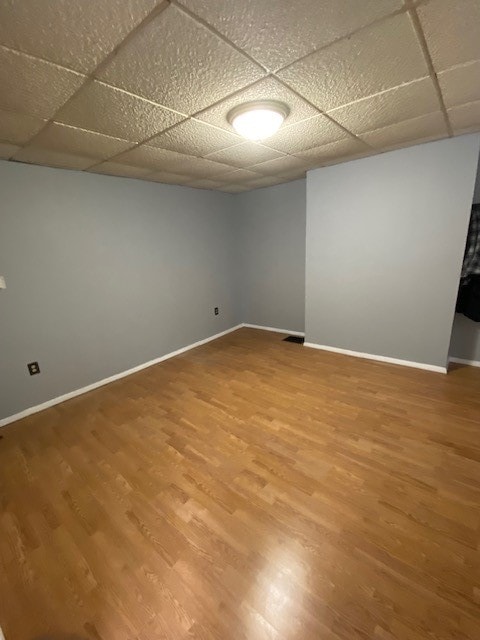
(472, 340)
(465, 341)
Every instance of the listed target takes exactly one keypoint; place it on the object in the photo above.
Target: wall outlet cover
(33, 368)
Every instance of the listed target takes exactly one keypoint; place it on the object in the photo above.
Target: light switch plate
(3, 284)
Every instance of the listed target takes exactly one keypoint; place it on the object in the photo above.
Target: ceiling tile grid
(423, 128)
(342, 150)
(239, 176)
(195, 138)
(33, 86)
(113, 112)
(52, 158)
(157, 159)
(452, 34)
(465, 118)
(388, 107)
(268, 88)
(118, 169)
(67, 139)
(177, 62)
(142, 88)
(76, 35)
(288, 30)
(307, 134)
(374, 59)
(245, 154)
(18, 128)
(280, 166)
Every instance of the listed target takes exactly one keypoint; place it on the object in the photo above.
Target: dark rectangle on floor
(296, 339)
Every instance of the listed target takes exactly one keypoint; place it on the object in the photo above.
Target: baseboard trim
(470, 363)
(123, 374)
(274, 329)
(370, 356)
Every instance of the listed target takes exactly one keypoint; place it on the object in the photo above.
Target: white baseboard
(275, 330)
(470, 363)
(370, 356)
(117, 376)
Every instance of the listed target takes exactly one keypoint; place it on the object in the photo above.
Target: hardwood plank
(248, 489)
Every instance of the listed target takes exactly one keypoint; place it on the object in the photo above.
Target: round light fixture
(258, 120)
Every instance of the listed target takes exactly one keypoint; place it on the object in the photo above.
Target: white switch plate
(2, 286)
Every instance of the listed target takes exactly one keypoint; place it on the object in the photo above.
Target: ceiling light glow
(258, 120)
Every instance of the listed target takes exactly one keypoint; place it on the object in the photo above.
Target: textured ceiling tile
(18, 127)
(266, 89)
(334, 151)
(117, 169)
(239, 176)
(424, 128)
(30, 85)
(205, 184)
(400, 103)
(168, 178)
(234, 188)
(177, 62)
(34, 155)
(308, 133)
(194, 138)
(98, 107)
(170, 161)
(244, 154)
(461, 84)
(74, 33)
(465, 117)
(7, 150)
(265, 181)
(451, 28)
(66, 139)
(377, 58)
(295, 175)
(148, 157)
(276, 34)
(279, 166)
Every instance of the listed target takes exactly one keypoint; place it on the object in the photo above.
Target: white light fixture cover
(258, 120)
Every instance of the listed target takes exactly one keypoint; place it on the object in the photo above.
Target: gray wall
(272, 255)
(465, 342)
(385, 241)
(104, 274)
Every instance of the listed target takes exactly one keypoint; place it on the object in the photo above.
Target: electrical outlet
(33, 368)
(216, 311)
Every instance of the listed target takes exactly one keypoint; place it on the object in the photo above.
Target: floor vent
(296, 339)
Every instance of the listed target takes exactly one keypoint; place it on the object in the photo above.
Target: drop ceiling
(142, 88)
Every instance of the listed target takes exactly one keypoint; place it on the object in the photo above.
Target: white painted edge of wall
(370, 356)
(274, 329)
(471, 363)
(123, 374)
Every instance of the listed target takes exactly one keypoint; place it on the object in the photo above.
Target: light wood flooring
(248, 489)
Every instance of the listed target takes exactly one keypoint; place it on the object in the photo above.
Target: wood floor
(249, 489)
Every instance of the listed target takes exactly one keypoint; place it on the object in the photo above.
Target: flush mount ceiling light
(258, 120)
